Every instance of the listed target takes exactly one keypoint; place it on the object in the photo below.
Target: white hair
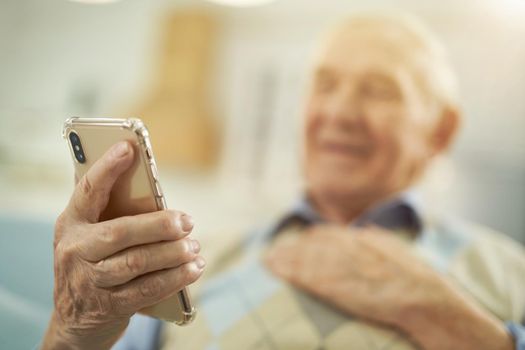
(420, 49)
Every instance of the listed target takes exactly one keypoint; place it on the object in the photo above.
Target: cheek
(386, 160)
(313, 121)
(393, 142)
(385, 126)
(400, 155)
(415, 150)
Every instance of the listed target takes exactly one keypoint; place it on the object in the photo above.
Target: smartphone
(137, 191)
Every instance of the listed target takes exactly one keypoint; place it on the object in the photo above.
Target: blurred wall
(60, 58)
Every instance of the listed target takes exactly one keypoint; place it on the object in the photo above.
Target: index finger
(106, 238)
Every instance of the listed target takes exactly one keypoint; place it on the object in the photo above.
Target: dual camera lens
(77, 147)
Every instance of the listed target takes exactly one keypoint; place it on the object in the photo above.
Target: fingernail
(199, 261)
(121, 149)
(187, 223)
(195, 246)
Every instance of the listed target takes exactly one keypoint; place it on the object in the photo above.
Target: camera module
(77, 147)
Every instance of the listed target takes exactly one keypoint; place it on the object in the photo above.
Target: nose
(344, 105)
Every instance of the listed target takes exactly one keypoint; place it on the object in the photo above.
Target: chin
(337, 185)
(342, 177)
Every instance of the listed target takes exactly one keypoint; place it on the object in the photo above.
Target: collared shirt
(233, 301)
(401, 213)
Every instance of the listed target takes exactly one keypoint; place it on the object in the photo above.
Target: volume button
(148, 153)
(158, 189)
(154, 171)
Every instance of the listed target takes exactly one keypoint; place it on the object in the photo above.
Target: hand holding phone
(106, 270)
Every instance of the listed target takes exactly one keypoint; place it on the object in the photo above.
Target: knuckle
(189, 273)
(151, 287)
(65, 253)
(112, 234)
(100, 272)
(186, 251)
(168, 221)
(61, 222)
(85, 186)
(61, 225)
(136, 261)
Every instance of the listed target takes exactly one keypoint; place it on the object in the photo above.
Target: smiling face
(370, 129)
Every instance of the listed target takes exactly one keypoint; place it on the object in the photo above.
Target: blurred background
(221, 88)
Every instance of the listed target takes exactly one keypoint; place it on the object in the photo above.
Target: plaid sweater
(241, 305)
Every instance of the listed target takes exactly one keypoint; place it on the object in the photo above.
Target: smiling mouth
(346, 149)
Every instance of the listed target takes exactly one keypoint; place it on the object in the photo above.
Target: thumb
(92, 191)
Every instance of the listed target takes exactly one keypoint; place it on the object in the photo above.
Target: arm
(453, 321)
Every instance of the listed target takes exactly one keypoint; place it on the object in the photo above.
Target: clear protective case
(137, 190)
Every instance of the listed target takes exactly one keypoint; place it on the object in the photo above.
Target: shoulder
(495, 247)
(490, 266)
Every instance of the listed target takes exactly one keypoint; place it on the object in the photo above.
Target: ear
(445, 130)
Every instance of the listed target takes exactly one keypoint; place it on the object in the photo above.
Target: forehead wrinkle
(366, 60)
(401, 53)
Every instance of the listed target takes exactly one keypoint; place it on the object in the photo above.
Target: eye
(380, 90)
(325, 83)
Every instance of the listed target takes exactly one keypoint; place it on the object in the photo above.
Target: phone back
(137, 191)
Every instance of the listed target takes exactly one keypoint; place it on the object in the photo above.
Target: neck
(340, 209)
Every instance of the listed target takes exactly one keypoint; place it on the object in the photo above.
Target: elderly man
(357, 264)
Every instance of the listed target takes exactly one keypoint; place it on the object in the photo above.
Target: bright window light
(94, 1)
(238, 3)
(242, 3)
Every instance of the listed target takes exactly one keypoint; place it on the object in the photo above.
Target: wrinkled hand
(106, 271)
(372, 274)
(367, 273)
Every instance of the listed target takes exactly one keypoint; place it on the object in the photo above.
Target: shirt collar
(403, 212)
